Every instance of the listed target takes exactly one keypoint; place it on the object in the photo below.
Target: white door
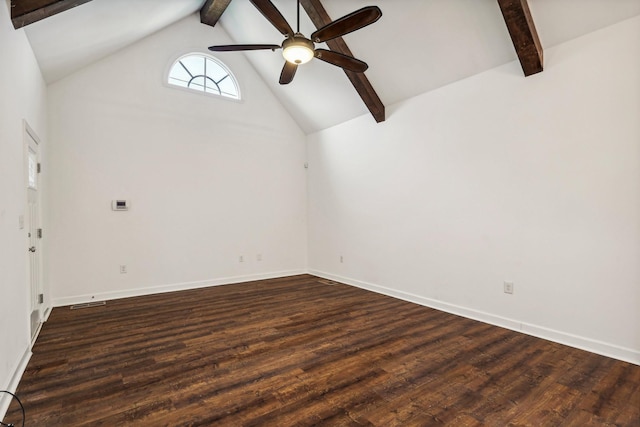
(33, 228)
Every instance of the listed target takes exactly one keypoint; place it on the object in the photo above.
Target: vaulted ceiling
(417, 46)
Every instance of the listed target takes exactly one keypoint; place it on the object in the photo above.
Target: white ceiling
(417, 45)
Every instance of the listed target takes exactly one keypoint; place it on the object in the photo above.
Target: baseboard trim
(5, 399)
(582, 343)
(46, 314)
(105, 296)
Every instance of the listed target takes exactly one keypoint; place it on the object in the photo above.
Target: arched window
(203, 73)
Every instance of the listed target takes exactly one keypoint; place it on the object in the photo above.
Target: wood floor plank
(297, 351)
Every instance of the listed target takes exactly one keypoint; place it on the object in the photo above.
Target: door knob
(32, 249)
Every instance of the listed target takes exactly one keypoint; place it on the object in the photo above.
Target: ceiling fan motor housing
(298, 49)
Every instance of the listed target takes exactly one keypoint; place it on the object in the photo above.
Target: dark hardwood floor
(297, 351)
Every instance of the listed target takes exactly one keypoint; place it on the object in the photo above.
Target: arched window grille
(203, 73)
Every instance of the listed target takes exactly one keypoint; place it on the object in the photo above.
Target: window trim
(223, 65)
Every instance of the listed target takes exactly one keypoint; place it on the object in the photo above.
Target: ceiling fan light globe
(298, 50)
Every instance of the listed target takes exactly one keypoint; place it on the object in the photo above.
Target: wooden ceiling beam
(25, 12)
(320, 18)
(212, 11)
(523, 33)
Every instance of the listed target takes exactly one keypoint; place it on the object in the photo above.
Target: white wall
(22, 96)
(498, 178)
(208, 179)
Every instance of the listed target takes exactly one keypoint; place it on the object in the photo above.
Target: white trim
(46, 315)
(37, 333)
(28, 129)
(27, 134)
(105, 296)
(5, 399)
(583, 343)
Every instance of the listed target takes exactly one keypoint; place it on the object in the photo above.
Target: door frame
(34, 304)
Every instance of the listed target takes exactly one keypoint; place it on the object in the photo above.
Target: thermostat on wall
(120, 205)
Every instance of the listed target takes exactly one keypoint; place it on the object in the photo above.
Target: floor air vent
(88, 304)
(327, 282)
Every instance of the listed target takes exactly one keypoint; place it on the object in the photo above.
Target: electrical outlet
(241, 259)
(123, 269)
(259, 257)
(341, 259)
(508, 287)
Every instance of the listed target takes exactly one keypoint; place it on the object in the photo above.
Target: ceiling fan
(297, 49)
